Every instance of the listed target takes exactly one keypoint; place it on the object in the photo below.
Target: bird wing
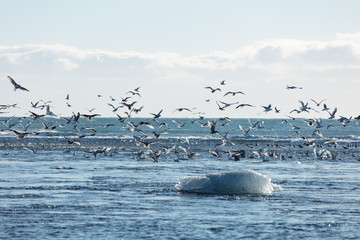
(12, 81)
(22, 88)
(16, 85)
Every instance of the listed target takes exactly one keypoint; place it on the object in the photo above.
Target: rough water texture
(50, 188)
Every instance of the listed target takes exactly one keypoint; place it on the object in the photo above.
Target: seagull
(129, 106)
(157, 135)
(121, 119)
(90, 117)
(325, 108)
(137, 110)
(212, 126)
(48, 112)
(295, 110)
(292, 87)
(141, 124)
(90, 110)
(257, 124)
(19, 135)
(304, 107)
(267, 108)
(245, 132)
(182, 109)
(234, 93)
(215, 153)
(34, 105)
(157, 115)
(180, 125)
(213, 89)
(332, 115)
(115, 108)
(244, 105)
(222, 108)
(227, 104)
(222, 82)
(357, 119)
(16, 86)
(36, 116)
(317, 103)
(67, 97)
(134, 93)
(74, 142)
(125, 99)
(189, 154)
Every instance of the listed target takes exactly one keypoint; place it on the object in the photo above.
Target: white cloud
(255, 68)
(67, 64)
(342, 52)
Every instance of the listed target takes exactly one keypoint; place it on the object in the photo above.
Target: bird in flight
(16, 85)
(213, 89)
(157, 115)
(317, 103)
(292, 87)
(182, 109)
(234, 93)
(267, 108)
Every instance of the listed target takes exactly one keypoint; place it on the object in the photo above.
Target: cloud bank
(343, 52)
(334, 65)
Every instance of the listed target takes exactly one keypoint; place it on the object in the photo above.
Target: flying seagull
(292, 87)
(16, 86)
(213, 89)
(267, 108)
(234, 93)
(182, 109)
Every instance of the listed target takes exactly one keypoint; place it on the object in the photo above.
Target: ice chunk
(237, 182)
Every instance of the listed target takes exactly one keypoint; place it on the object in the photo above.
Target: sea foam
(237, 182)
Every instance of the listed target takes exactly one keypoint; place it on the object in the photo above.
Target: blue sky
(173, 49)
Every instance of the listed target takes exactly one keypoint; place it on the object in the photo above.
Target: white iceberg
(230, 183)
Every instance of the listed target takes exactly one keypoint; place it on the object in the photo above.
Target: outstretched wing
(17, 86)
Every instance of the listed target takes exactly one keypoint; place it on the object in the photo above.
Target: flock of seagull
(146, 138)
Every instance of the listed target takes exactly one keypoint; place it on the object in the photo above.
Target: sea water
(50, 188)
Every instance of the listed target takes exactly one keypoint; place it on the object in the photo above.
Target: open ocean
(108, 184)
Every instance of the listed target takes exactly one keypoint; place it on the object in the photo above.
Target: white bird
(292, 87)
(234, 93)
(19, 135)
(16, 86)
(317, 103)
(332, 115)
(180, 125)
(267, 108)
(48, 112)
(182, 109)
(244, 105)
(157, 115)
(213, 89)
(245, 132)
(325, 108)
(212, 126)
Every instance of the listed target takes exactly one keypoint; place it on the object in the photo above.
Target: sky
(172, 50)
